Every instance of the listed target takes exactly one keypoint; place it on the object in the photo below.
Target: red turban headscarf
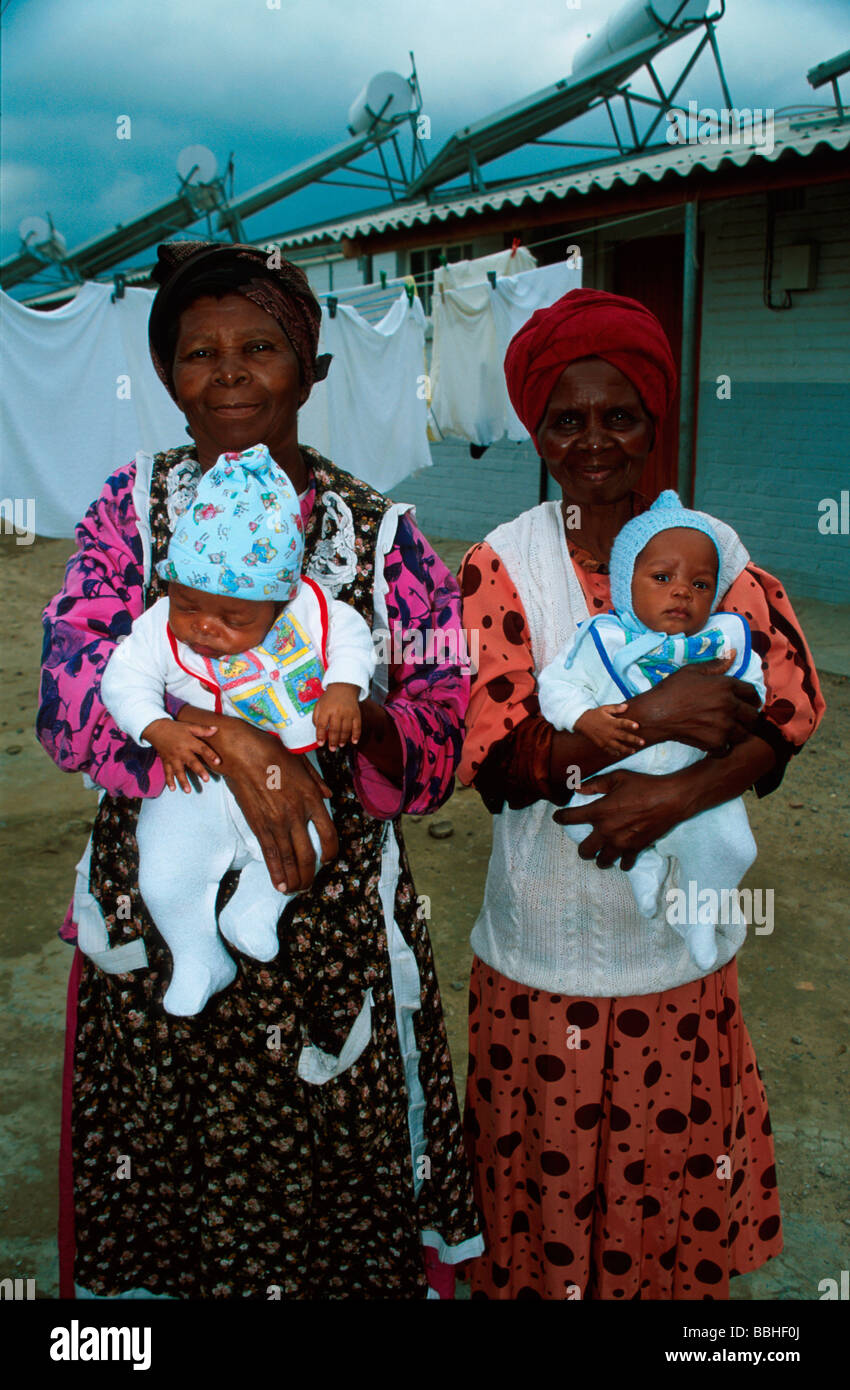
(589, 323)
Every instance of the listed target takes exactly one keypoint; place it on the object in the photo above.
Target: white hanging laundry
(371, 301)
(370, 414)
(514, 299)
(161, 424)
(459, 275)
(467, 391)
(76, 404)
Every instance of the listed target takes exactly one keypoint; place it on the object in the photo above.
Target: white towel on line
(472, 328)
(370, 413)
(65, 426)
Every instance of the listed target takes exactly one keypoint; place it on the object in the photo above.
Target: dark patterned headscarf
(187, 270)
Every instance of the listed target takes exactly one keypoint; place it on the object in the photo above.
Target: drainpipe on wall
(688, 385)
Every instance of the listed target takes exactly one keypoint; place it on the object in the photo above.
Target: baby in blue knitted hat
(667, 576)
(242, 632)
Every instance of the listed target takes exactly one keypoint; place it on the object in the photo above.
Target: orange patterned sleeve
(504, 688)
(794, 705)
(508, 743)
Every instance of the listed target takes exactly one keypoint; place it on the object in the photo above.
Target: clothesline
(80, 396)
(424, 277)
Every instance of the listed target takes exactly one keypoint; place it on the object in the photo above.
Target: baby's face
(674, 580)
(215, 624)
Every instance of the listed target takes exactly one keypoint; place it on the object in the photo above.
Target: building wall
(777, 448)
(461, 498)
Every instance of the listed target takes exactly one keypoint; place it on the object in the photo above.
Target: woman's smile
(226, 348)
(595, 435)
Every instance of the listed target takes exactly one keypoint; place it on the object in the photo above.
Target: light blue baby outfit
(615, 656)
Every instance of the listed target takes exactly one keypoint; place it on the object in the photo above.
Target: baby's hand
(608, 728)
(337, 716)
(182, 748)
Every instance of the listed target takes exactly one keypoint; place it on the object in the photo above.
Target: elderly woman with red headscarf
(615, 1116)
(200, 1157)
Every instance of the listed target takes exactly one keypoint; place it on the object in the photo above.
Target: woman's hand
(634, 810)
(380, 741)
(279, 793)
(693, 706)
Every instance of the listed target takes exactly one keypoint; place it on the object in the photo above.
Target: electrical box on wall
(797, 266)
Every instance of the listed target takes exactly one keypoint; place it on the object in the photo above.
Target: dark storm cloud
(274, 85)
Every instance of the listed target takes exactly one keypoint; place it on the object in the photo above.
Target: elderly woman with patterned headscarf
(246, 1172)
(615, 1115)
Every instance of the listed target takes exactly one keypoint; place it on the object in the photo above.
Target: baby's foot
(646, 878)
(254, 931)
(195, 982)
(702, 944)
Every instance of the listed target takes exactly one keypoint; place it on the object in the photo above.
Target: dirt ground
(794, 982)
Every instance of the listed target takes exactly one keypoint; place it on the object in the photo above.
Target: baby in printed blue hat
(667, 576)
(242, 632)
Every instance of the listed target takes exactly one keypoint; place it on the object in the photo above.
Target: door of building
(650, 270)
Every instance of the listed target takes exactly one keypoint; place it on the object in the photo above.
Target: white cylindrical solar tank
(634, 22)
(385, 88)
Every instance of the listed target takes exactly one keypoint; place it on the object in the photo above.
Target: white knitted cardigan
(549, 919)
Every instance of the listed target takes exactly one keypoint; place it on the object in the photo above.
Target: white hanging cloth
(370, 414)
(162, 425)
(79, 398)
(514, 299)
(467, 392)
(472, 329)
(458, 275)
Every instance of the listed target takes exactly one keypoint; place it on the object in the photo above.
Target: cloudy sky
(273, 86)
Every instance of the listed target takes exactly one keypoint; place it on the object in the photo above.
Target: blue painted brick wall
(463, 498)
(767, 457)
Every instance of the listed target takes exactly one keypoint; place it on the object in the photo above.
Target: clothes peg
(332, 303)
(120, 287)
(411, 290)
(491, 276)
(515, 245)
(383, 279)
(444, 260)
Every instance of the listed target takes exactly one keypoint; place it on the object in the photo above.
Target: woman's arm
(632, 814)
(411, 745)
(278, 792)
(101, 596)
(511, 754)
(636, 809)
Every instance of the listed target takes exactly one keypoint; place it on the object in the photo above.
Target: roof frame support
(620, 146)
(525, 124)
(707, 39)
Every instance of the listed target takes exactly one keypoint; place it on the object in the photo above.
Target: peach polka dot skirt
(621, 1148)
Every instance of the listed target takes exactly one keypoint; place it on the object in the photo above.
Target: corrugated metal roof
(799, 136)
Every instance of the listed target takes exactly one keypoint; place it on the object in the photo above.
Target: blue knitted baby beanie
(243, 535)
(665, 514)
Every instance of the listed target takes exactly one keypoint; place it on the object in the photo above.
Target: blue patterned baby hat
(665, 514)
(243, 535)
